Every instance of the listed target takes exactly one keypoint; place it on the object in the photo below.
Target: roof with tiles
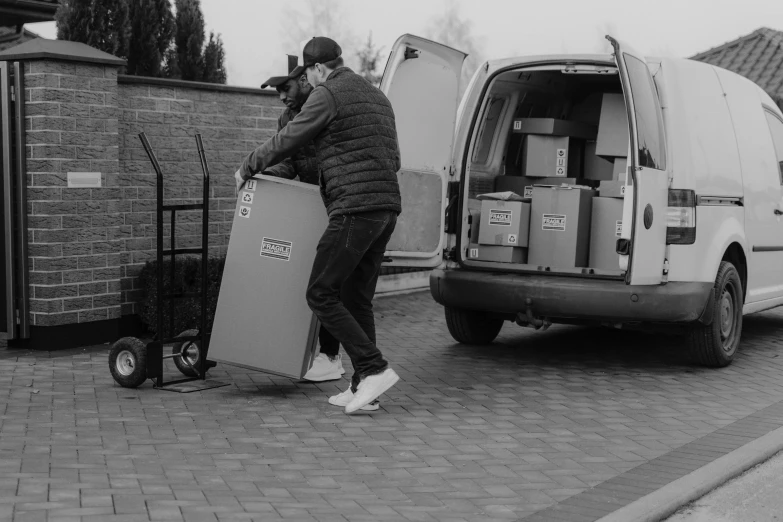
(757, 56)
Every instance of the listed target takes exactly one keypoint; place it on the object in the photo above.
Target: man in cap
(294, 90)
(352, 125)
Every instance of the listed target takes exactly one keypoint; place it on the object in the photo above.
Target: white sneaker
(325, 369)
(372, 387)
(342, 399)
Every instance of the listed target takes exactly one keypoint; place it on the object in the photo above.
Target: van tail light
(681, 217)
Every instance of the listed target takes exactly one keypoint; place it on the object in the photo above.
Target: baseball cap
(320, 49)
(293, 72)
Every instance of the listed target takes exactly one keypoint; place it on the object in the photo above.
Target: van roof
(494, 65)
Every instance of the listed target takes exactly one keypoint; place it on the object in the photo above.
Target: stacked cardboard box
(500, 232)
(553, 148)
(560, 226)
(612, 146)
(606, 226)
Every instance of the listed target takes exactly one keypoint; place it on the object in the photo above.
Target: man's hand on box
(239, 180)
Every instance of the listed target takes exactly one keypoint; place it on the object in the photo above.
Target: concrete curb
(668, 499)
(397, 284)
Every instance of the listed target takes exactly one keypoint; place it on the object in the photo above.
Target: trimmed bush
(187, 278)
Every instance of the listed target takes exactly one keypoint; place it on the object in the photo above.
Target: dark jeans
(329, 345)
(342, 284)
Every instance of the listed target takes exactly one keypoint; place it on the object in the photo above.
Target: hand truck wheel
(128, 362)
(191, 354)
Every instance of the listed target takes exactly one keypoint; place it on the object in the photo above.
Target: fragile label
(473, 252)
(528, 192)
(517, 125)
(247, 197)
(500, 217)
(618, 228)
(553, 222)
(244, 212)
(276, 248)
(561, 162)
(512, 239)
(251, 185)
(561, 153)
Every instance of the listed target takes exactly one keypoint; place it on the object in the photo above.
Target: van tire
(714, 345)
(472, 326)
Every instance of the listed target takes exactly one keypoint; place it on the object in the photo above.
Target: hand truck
(131, 361)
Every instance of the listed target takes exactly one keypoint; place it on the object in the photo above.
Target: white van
(700, 235)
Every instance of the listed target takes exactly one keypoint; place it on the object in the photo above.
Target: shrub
(187, 278)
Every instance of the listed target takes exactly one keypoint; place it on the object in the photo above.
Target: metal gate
(14, 288)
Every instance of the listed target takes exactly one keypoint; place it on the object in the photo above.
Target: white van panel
(699, 130)
(717, 227)
(762, 194)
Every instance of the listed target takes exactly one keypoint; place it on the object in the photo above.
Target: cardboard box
(560, 226)
(552, 156)
(620, 170)
(504, 223)
(612, 137)
(596, 167)
(612, 189)
(555, 127)
(606, 227)
(615, 188)
(497, 254)
(475, 222)
(523, 185)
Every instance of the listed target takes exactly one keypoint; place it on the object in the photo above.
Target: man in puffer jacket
(294, 91)
(352, 125)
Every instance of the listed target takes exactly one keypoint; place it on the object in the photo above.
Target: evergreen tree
(151, 31)
(214, 57)
(189, 39)
(102, 24)
(368, 61)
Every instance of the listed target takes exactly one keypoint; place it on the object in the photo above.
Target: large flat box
(552, 156)
(560, 226)
(497, 254)
(606, 226)
(504, 223)
(612, 137)
(262, 321)
(555, 127)
(523, 185)
(596, 167)
(620, 170)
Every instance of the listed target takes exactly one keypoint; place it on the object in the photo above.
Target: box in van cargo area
(552, 156)
(555, 127)
(523, 185)
(497, 254)
(612, 127)
(504, 223)
(560, 226)
(615, 188)
(596, 167)
(606, 227)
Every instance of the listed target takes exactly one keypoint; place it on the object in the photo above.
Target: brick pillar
(74, 233)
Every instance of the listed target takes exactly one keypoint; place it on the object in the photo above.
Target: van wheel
(714, 345)
(472, 327)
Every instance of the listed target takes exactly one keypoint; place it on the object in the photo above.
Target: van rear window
(647, 109)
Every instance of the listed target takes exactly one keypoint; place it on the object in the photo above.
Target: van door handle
(778, 212)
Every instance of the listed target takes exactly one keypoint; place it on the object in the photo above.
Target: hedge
(187, 278)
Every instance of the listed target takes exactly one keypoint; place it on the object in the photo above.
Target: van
(671, 176)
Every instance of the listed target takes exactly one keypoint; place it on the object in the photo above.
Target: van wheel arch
(736, 256)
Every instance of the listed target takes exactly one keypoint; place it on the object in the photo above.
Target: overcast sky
(254, 31)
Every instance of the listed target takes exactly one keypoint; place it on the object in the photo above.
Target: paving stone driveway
(493, 432)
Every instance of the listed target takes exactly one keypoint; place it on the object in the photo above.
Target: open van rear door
(650, 191)
(422, 82)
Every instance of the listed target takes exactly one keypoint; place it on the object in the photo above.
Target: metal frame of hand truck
(155, 356)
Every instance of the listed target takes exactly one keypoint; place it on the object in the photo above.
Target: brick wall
(75, 235)
(232, 121)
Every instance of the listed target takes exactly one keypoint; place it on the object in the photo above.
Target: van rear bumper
(569, 297)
